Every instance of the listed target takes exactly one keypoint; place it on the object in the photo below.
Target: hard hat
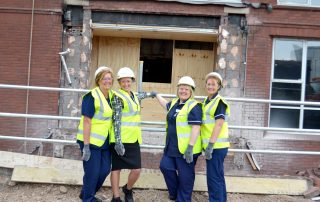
(101, 69)
(215, 75)
(125, 72)
(187, 80)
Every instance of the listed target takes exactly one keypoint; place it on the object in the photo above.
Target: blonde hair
(101, 74)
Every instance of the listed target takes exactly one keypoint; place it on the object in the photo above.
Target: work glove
(119, 148)
(153, 94)
(208, 151)
(188, 155)
(86, 153)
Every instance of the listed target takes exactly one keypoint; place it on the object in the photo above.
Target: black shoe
(172, 198)
(118, 199)
(128, 195)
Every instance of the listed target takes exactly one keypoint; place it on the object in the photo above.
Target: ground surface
(47, 192)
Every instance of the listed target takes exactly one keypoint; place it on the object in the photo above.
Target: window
(295, 77)
(157, 57)
(311, 3)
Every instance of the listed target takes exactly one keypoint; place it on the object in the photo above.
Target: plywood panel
(150, 108)
(116, 52)
(194, 63)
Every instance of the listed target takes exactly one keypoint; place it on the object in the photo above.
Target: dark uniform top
(194, 118)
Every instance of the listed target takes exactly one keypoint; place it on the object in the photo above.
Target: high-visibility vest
(208, 123)
(101, 121)
(183, 128)
(130, 120)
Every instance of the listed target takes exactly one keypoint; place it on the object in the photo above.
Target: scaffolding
(309, 132)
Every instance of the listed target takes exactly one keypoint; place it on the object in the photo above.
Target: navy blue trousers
(179, 176)
(96, 171)
(215, 176)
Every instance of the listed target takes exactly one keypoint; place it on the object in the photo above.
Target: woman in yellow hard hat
(126, 138)
(93, 134)
(215, 137)
(182, 146)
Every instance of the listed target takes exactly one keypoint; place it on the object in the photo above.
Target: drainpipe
(28, 80)
(65, 65)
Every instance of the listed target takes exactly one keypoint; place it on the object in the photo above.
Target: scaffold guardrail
(311, 132)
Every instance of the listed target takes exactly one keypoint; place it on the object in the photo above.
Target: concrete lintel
(77, 2)
(237, 10)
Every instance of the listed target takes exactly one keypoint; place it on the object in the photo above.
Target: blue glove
(188, 155)
(208, 151)
(86, 153)
(153, 94)
(119, 148)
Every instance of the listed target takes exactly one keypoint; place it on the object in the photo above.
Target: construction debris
(313, 174)
(312, 192)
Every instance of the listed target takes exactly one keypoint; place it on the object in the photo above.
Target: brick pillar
(79, 41)
(230, 58)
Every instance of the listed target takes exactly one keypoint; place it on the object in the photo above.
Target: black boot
(128, 195)
(117, 199)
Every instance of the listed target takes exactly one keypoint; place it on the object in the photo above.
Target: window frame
(308, 4)
(301, 81)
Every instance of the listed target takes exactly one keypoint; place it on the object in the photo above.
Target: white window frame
(308, 4)
(301, 81)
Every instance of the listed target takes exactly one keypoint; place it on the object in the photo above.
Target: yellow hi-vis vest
(101, 121)
(130, 120)
(208, 123)
(183, 128)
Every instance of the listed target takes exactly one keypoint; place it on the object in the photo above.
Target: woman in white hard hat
(93, 134)
(182, 146)
(215, 137)
(126, 136)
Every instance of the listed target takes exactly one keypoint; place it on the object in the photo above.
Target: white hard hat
(101, 69)
(215, 75)
(125, 72)
(187, 80)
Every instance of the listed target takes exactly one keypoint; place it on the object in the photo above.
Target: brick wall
(15, 26)
(285, 22)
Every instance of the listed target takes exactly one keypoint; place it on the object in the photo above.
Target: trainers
(128, 195)
(118, 199)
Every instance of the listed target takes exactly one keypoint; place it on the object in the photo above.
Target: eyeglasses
(107, 79)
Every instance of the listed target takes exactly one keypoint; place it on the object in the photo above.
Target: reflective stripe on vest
(208, 123)
(183, 128)
(101, 121)
(130, 119)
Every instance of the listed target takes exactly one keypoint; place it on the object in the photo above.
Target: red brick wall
(15, 26)
(284, 22)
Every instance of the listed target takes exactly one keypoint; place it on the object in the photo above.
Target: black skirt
(130, 160)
